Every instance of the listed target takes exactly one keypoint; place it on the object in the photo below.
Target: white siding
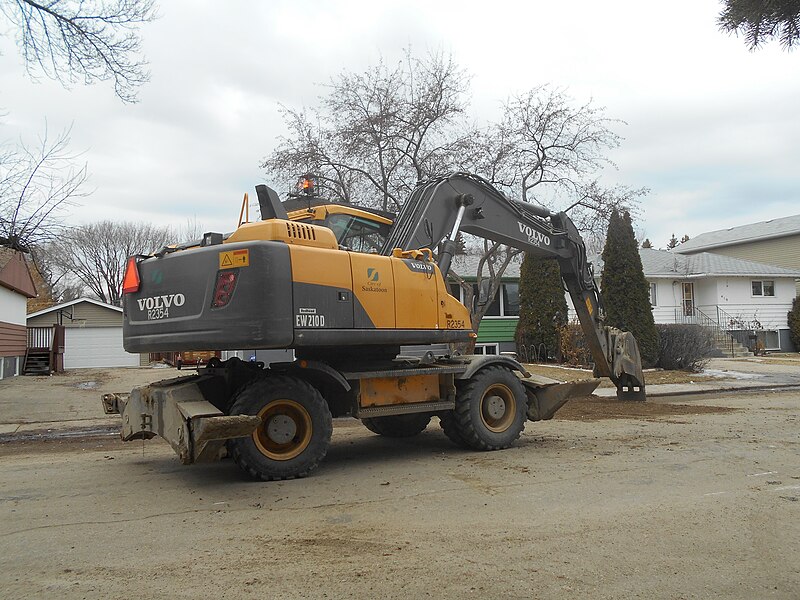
(733, 295)
(668, 300)
(96, 347)
(13, 307)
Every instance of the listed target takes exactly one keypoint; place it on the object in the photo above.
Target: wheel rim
(498, 408)
(285, 430)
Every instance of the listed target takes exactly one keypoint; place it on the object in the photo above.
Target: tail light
(223, 290)
(130, 282)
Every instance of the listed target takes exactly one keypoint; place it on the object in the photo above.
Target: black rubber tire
(398, 426)
(313, 428)
(447, 421)
(475, 423)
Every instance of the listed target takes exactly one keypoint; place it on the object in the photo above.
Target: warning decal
(234, 258)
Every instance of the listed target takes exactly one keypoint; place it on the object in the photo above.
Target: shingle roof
(660, 263)
(467, 267)
(656, 264)
(764, 230)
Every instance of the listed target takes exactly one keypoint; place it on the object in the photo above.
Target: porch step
(729, 347)
(36, 363)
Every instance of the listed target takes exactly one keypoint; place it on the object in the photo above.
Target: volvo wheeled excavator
(345, 288)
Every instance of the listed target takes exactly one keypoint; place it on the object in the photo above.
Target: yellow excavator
(345, 288)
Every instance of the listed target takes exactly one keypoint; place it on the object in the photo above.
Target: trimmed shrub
(685, 347)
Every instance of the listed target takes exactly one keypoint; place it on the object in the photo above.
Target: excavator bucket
(627, 368)
(546, 396)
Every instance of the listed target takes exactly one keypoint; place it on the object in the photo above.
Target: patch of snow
(730, 374)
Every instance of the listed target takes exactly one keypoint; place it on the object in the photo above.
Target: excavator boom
(441, 207)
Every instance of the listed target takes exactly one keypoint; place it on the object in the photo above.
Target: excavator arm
(441, 207)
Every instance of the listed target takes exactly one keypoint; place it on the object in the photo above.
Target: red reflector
(226, 281)
(130, 283)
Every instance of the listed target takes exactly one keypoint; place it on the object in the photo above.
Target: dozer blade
(546, 396)
(176, 410)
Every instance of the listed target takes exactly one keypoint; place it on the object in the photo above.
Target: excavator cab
(356, 228)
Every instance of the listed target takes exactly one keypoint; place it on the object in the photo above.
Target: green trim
(497, 330)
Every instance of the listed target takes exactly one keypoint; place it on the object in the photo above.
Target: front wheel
(490, 410)
(295, 431)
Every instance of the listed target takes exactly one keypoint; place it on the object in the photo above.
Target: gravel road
(696, 497)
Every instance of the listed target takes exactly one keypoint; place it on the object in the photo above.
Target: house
(740, 297)
(92, 333)
(16, 286)
(774, 242)
(497, 328)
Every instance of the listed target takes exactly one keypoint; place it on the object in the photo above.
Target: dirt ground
(694, 497)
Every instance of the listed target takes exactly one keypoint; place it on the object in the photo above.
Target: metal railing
(696, 316)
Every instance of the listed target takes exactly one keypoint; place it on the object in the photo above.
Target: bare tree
(37, 184)
(376, 134)
(96, 253)
(547, 149)
(89, 40)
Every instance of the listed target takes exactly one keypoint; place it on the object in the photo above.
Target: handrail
(698, 317)
(41, 338)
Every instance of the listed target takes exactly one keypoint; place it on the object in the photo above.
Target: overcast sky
(711, 129)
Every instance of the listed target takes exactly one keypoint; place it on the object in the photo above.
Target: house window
(487, 349)
(653, 301)
(505, 303)
(510, 299)
(493, 310)
(763, 288)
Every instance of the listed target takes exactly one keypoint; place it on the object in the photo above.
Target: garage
(92, 333)
(96, 347)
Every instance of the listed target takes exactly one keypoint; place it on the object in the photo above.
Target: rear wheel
(447, 421)
(398, 426)
(295, 430)
(490, 409)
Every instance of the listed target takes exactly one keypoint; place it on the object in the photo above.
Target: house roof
(774, 228)
(14, 272)
(63, 305)
(466, 265)
(660, 264)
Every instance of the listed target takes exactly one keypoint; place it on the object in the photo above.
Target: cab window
(357, 234)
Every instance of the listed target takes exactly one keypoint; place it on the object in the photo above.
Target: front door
(688, 299)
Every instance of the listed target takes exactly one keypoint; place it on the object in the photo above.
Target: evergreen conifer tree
(625, 290)
(794, 323)
(542, 309)
(673, 242)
